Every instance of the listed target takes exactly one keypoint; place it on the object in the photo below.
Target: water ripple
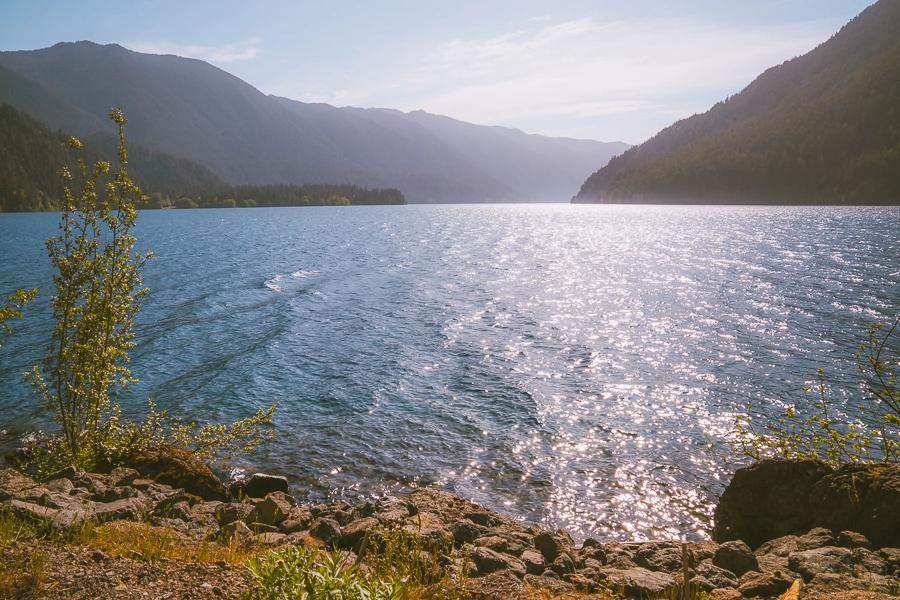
(565, 365)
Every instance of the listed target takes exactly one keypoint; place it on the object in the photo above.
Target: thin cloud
(579, 71)
(583, 68)
(226, 53)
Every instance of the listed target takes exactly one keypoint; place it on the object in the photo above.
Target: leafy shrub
(819, 434)
(404, 555)
(98, 292)
(296, 573)
(10, 308)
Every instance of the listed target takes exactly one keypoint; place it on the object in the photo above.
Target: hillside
(31, 155)
(190, 109)
(821, 128)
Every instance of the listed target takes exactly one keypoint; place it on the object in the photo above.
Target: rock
(892, 556)
(779, 546)
(352, 535)
(236, 529)
(69, 473)
(717, 576)
(234, 511)
(810, 563)
(325, 529)
(30, 511)
(122, 476)
(860, 498)
(14, 485)
(298, 520)
(700, 551)
(639, 582)
(501, 585)
(179, 510)
(551, 545)
(581, 583)
(493, 542)
(178, 468)
(271, 510)
(366, 509)
(111, 494)
(270, 538)
(430, 527)
(258, 485)
(831, 583)
(851, 539)
(126, 508)
(554, 586)
(736, 557)
(391, 508)
(659, 557)
(534, 562)
(61, 485)
(464, 531)
(618, 556)
(766, 585)
(769, 563)
(767, 500)
(489, 561)
(870, 562)
(563, 565)
(698, 583)
(818, 537)
(727, 593)
(163, 507)
(67, 518)
(204, 513)
(98, 556)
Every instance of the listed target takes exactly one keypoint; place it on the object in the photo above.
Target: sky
(606, 70)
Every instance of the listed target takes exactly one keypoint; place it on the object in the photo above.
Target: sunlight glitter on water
(566, 365)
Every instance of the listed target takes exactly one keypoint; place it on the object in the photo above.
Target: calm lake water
(561, 364)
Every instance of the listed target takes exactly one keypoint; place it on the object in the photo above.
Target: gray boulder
(639, 582)
(810, 563)
(765, 585)
(736, 557)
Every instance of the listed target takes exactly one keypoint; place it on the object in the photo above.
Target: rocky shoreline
(793, 529)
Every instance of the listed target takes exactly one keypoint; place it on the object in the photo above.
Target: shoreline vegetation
(167, 528)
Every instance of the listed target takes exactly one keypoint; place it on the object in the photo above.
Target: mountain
(190, 109)
(821, 128)
(31, 155)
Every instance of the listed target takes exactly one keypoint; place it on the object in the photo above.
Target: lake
(565, 365)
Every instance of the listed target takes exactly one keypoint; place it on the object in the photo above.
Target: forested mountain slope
(821, 128)
(190, 109)
(31, 155)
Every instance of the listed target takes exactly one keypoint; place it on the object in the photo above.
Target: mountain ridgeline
(31, 155)
(189, 109)
(823, 128)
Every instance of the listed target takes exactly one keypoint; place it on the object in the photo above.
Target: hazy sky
(596, 69)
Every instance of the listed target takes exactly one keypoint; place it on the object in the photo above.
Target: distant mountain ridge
(821, 128)
(188, 108)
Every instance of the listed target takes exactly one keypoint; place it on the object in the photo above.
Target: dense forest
(821, 128)
(31, 156)
(230, 196)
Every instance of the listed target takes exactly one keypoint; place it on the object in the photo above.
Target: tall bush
(98, 292)
(10, 308)
(821, 432)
